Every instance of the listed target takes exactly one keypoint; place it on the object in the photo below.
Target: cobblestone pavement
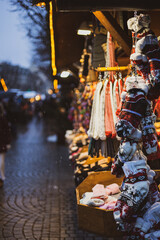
(38, 198)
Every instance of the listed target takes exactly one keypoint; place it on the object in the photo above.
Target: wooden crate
(94, 219)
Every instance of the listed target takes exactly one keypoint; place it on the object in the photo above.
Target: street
(38, 198)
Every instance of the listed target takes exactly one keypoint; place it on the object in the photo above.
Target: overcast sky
(14, 45)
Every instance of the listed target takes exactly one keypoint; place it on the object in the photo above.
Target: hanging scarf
(102, 134)
(94, 121)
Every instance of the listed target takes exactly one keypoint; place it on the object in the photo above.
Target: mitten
(134, 189)
(125, 129)
(149, 138)
(116, 168)
(126, 151)
(150, 219)
(153, 193)
(150, 143)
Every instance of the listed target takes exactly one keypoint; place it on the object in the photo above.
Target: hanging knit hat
(142, 64)
(135, 24)
(125, 129)
(136, 82)
(126, 151)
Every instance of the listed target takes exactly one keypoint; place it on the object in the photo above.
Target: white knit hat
(137, 23)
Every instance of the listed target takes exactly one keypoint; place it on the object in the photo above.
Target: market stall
(121, 137)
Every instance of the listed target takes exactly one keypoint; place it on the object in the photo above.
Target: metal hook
(100, 76)
(115, 77)
(120, 75)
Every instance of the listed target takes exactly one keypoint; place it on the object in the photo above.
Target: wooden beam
(115, 30)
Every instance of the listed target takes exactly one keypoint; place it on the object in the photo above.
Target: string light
(54, 69)
(53, 62)
(41, 4)
(38, 97)
(55, 85)
(4, 85)
(50, 91)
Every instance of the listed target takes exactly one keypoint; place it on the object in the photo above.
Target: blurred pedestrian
(5, 140)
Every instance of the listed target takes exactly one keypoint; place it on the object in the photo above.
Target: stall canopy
(94, 5)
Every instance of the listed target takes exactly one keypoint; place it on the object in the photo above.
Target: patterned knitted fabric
(135, 188)
(148, 46)
(154, 61)
(134, 107)
(139, 199)
(151, 219)
(142, 64)
(149, 138)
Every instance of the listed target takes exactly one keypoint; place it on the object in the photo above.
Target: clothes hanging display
(103, 115)
(102, 135)
(100, 158)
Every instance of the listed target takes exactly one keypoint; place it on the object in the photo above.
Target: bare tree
(36, 22)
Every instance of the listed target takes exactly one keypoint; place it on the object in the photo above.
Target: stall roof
(94, 5)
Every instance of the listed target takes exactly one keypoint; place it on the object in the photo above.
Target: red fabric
(117, 94)
(154, 65)
(120, 86)
(140, 176)
(109, 122)
(119, 106)
(125, 212)
(143, 69)
(157, 108)
(112, 58)
(108, 112)
(149, 142)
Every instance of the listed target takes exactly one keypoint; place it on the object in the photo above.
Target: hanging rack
(107, 69)
(117, 68)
